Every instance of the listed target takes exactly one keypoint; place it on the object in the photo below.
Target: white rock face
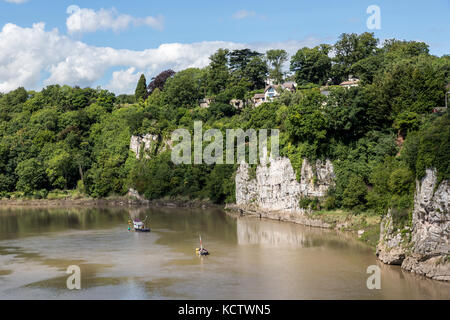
(275, 187)
(143, 143)
(428, 251)
(430, 229)
(390, 248)
(431, 216)
(316, 185)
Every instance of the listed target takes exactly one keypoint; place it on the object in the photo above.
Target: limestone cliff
(274, 187)
(392, 245)
(425, 247)
(141, 145)
(146, 145)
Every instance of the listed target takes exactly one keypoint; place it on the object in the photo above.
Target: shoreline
(119, 201)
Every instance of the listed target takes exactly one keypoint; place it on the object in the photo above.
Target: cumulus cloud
(44, 57)
(123, 80)
(242, 14)
(82, 20)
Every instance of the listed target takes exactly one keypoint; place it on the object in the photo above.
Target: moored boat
(201, 251)
(139, 226)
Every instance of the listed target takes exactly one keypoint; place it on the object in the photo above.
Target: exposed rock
(430, 229)
(135, 194)
(437, 268)
(428, 251)
(431, 219)
(390, 249)
(143, 144)
(143, 147)
(275, 189)
(316, 181)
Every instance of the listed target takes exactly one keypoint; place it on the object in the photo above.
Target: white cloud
(16, 1)
(123, 80)
(242, 14)
(82, 20)
(44, 57)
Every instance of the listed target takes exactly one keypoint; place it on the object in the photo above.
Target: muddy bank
(121, 201)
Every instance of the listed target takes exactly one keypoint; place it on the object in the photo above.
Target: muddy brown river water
(250, 258)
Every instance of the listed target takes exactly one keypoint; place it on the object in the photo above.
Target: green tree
(276, 59)
(184, 89)
(141, 89)
(256, 71)
(349, 49)
(240, 58)
(218, 73)
(311, 65)
(306, 121)
(355, 193)
(31, 176)
(346, 113)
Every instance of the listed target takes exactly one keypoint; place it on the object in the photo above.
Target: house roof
(275, 86)
(350, 82)
(289, 85)
(259, 96)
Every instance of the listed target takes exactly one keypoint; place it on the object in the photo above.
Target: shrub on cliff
(430, 148)
(354, 196)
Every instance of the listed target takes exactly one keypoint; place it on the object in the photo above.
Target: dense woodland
(381, 135)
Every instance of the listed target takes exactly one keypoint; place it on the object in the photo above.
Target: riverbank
(365, 225)
(109, 201)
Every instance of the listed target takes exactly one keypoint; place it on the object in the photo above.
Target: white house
(352, 82)
(259, 99)
(273, 91)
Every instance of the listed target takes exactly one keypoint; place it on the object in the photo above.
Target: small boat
(139, 226)
(201, 251)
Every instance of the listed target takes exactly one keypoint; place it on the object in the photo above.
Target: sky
(111, 43)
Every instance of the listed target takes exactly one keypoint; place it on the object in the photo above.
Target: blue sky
(110, 43)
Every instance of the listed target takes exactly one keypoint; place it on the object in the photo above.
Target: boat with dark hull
(202, 251)
(138, 226)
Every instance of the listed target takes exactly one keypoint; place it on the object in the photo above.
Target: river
(250, 258)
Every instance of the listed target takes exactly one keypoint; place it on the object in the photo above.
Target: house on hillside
(274, 90)
(351, 82)
(258, 99)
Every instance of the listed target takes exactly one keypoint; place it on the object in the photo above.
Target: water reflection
(263, 232)
(250, 258)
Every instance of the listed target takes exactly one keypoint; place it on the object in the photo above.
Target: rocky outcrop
(431, 216)
(274, 188)
(391, 247)
(430, 254)
(132, 193)
(424, 248)
(146, 145)
(143, 144)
